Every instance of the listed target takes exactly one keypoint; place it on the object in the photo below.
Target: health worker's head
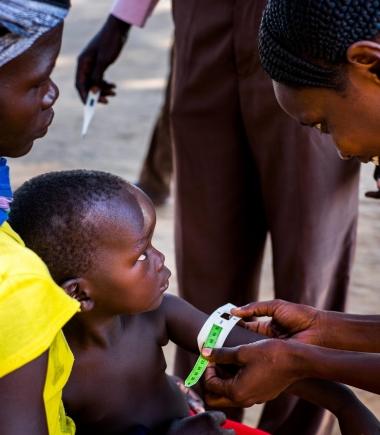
(324, 59)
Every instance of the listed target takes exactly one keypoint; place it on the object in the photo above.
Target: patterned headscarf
(24, 21)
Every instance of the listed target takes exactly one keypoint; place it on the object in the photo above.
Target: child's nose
(51, 96)
(161, 260)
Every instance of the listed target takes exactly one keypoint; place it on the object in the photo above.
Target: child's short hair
(54, 215)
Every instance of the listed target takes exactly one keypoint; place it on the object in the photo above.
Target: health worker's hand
(288, 320)
(103, 50)
(265, 369)
(207, 423)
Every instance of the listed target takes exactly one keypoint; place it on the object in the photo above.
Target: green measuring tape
(201, 364)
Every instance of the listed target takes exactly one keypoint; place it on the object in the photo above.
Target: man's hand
(288, 320)
(207, 423)
(103, 49)
(264, 371)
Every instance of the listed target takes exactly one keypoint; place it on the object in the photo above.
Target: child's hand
(207, 423)
(193, 399)
(288, 320)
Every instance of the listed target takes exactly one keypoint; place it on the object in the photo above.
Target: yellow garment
(33, 310)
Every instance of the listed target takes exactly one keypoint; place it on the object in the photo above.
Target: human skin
(350, 115)
(306, 324)
(102, 50)
(118, 380)
(267, 368)
(27, 95)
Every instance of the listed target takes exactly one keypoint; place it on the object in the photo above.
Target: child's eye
(142, 257)
(322, 127)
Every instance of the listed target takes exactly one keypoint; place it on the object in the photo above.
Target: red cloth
(242, 429)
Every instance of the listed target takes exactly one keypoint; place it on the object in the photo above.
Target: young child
(94, 231)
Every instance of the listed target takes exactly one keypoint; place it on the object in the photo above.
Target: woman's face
(27, 95)
(352, 117)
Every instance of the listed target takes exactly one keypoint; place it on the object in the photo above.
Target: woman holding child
(35, 361)
(324, 59)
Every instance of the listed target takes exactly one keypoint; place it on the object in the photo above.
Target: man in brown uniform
(245, 169)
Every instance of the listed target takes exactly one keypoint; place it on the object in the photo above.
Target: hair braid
(304, 42)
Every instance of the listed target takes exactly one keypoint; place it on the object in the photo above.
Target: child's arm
(184, 321)
(353, 416)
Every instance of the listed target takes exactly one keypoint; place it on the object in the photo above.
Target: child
(95, 231)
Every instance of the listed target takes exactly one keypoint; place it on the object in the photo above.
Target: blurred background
(120, 132)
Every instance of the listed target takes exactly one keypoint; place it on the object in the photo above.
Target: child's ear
(366, 56)
(77, 289)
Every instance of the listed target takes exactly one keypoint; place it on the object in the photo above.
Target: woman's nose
(50, 96)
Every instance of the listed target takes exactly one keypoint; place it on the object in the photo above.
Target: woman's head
(30, 39)
(324, 58)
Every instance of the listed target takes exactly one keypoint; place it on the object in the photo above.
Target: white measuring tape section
(216, 318)
(212, 334)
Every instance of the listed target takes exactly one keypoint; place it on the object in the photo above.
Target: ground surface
(119, 134)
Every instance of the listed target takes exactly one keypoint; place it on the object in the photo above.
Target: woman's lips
(44, 129)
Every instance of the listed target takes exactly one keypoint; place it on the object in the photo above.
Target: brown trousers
(244, 170)
(156, 172)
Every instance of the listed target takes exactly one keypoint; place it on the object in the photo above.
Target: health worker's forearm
(352, 332)
(358, 369)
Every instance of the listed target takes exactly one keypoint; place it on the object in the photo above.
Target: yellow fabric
(33, 310)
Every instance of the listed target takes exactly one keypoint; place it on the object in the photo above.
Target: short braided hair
(303, 43)
(53, 214)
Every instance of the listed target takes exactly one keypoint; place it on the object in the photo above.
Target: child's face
(129, 275)
(27, 95)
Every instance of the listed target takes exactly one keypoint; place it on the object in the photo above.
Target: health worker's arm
(22, 408)
(306, 324)
(352, 415)
(267, 368)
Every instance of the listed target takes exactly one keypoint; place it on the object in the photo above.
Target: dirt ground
(120, 132)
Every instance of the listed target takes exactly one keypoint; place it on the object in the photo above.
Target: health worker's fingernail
(206, 352)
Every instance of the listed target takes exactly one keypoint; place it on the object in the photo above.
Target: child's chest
(113, 389)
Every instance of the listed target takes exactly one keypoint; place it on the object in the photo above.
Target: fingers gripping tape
(221, 317)
(213, 334)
